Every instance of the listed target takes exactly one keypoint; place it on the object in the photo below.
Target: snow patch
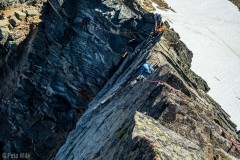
(211, 30)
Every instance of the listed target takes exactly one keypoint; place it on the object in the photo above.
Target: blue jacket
(146, 70)
(157, 17)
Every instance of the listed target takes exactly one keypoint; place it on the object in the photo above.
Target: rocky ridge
(131, 118)
(127, 117)
(59, 73)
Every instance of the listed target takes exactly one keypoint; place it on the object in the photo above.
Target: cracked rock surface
(70, 94)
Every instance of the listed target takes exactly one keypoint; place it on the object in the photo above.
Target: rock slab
(14, 21)
(20, 15)
(32, 12)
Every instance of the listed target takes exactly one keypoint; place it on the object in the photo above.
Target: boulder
(10, 27)
(3, 35)
(20, 15)
(14, 21)
(32, 12)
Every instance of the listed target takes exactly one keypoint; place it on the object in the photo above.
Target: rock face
(6, 3)
(32, 12)
(125, 120)
(49, 78)
(61, 74)
(14, 21)
(20, 15)
(3, 35)
(236, 2)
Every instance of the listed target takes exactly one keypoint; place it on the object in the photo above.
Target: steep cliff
(48, 79)
(60, 74)
(129, 119)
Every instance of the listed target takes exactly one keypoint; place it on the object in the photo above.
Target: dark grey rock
(65, 68)
(60, 74)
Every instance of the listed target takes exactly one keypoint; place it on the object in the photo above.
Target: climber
(238, 136)
(2, 16)
(145, 71)
(162, 27)
(84, 22)
(238, 132)
(7, 45)
(158, 21)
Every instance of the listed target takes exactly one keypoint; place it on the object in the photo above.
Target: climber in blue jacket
(238, 132)
(238, 136)
(158, 21)
(146, 70)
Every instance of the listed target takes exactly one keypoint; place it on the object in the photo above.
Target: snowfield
(211, 30)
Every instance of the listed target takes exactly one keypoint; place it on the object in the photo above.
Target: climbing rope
(168, 86)
(229, 138)
(176, 92)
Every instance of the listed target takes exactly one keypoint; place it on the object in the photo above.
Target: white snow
(211, 30)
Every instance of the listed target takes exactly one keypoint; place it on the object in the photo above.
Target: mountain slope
(124, 120)
(60, 74)
(212, 33)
